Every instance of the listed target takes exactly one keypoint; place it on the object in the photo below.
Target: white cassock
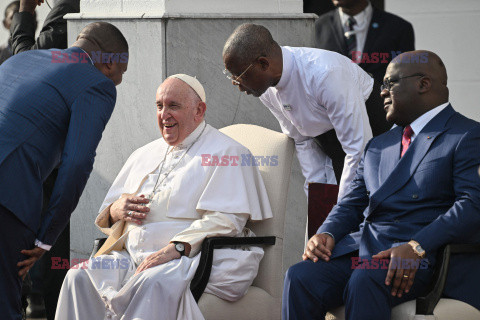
(193, 201)
(320, 90)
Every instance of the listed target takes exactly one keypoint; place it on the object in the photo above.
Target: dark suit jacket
(50, 114)
(431, 195)
(53, 33)
(387, 33)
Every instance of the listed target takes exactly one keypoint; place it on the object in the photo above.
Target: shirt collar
(286, 68)
(425, 118)
(362, 18)
(87, 55)
(192, 137)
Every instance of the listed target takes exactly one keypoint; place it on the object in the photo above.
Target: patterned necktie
(406, 139)
(352, 39)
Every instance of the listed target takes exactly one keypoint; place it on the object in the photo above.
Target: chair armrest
(97, 245)
(426, 304)
(202, 275)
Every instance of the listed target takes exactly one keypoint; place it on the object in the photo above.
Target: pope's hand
(162, 256)
(319, 246)
(129, 208)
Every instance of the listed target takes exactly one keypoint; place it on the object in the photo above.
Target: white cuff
(44, 246)
(331, 235)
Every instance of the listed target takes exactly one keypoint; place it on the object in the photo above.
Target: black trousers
(14, 237)
(52, 279)
(332, 147)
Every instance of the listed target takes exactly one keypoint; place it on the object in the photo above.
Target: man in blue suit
(416, 189)
(54, 105)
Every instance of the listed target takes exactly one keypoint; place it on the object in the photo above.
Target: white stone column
(183, 36)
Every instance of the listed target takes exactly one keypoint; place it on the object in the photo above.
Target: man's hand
(25, 265)
(319, 246)
(29, 5)
(136, 205)
(162, 256)
(404, 263)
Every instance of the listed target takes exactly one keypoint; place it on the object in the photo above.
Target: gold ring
(405, 276)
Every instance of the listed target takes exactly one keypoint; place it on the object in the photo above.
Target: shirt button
(415, 196)
(141, 250)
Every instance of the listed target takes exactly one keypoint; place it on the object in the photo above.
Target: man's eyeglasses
(233, 78)
(388, 83)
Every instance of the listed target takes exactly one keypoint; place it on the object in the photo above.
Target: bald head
(101, 36)
(247, 42)
(10, 10)
(417, 83)
(253, 58)
(107, 48)
(429, 64)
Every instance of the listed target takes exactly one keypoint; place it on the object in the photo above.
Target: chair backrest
(264, 142)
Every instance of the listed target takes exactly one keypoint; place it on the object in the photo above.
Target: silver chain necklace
(150, 196)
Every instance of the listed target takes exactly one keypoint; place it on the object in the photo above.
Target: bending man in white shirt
(317, 96)
(161, 206)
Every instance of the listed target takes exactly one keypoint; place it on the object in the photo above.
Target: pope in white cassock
(161, 206)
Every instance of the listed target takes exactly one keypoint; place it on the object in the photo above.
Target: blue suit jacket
(51, 114)
(431, 195)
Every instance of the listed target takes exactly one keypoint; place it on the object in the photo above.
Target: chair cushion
(446, 309)
(257, 304)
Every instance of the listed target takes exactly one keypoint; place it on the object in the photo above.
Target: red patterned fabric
(321, 199)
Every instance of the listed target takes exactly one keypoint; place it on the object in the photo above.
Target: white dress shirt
(424, 119)
(320, 90)
(360, 29)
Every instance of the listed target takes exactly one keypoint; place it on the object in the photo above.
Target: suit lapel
(338, 32)
(407, 165)
(373, 30)
(390, 155)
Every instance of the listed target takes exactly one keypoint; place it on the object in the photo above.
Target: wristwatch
(180, 247)
(417, 248)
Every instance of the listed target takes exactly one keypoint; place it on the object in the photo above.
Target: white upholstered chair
(264, 298)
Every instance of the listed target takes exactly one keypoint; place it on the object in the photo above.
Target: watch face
(420, 249)
(180, 247)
